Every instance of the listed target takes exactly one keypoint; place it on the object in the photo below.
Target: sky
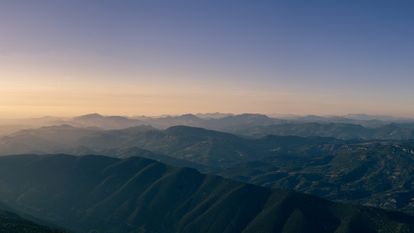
(124, 57)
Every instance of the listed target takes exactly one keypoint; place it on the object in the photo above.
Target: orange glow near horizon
(41, 91)
(25, 98)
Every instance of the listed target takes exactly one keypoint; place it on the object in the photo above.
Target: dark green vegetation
(140, 195)
(12, 223)
(375, 173)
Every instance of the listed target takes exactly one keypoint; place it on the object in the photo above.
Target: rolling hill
(259, 125)
(196, 145)
(374, 173)
(347, 131)
(102, 194)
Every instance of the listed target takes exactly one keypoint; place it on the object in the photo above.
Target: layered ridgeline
(12, 223)
(342, 127)
(102, 194)
(256, 125)
(393, 131)
(374, 173)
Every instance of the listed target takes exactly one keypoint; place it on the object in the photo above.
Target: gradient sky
(170, 57)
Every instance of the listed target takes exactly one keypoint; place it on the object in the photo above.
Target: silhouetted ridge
(12, 223)
(89, 116)
(140, 195)
(187, 131)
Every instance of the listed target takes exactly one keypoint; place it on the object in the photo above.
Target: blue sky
(326, 57)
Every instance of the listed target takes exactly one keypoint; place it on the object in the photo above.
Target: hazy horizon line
(272, 115)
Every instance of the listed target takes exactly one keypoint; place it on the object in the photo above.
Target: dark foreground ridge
(102, 194)
(12, 223)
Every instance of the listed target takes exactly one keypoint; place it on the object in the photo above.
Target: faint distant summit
(215, 115)
(89, 116)
(105, 122)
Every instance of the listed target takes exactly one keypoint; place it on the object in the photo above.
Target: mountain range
(352, 160)
(368, 172)
(102, 194)
(357, 126)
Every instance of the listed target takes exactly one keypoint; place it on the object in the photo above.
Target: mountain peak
(189, 116)
(89, 116)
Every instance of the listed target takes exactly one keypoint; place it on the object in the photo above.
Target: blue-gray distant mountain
(393, 131)
(104, 122)
(357, 126)
(258, 125)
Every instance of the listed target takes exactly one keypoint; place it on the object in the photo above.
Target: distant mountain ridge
(101, 194)
(357, 126)
(193, 144)
(345, 131)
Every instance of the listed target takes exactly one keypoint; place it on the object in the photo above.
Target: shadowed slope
(140, 195)
(12, 223)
